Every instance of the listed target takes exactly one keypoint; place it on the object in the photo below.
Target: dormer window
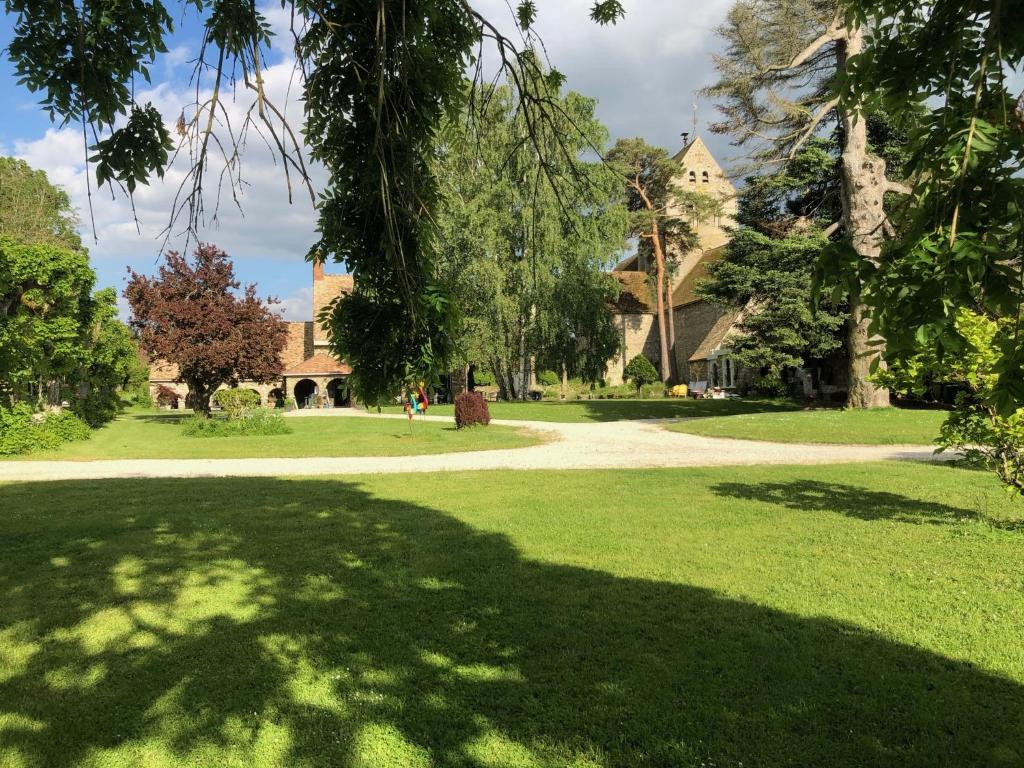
(693, 177)
(704, 177)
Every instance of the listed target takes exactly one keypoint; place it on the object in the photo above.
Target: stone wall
(693, 323)
(638, 334)
(181, 389)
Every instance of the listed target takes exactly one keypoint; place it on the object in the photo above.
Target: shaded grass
(619, 410)
(783, 616)
(160, 435)
(884, 426)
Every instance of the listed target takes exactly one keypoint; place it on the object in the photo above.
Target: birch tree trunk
(864, 186)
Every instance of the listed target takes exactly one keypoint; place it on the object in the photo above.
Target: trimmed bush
(22, 431)
(237, 402)
(260, 422)
(471, 409)
(547, 378)
(640, 371)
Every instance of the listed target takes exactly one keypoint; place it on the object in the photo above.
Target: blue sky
(644, 73)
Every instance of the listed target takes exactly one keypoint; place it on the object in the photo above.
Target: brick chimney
(318, 271)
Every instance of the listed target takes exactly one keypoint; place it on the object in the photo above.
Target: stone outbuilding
(312, 376)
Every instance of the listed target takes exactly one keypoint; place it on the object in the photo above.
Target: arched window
(728, 372)
(693, 177)
(704, 177)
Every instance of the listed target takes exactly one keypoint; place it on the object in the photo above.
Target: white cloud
(298, 306)
(645, 70)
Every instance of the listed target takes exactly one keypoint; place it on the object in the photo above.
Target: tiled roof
(717, 336)
(686, 291)
(319, 364)
(635, 296)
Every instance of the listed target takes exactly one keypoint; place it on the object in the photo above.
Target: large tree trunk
(659, 261)
(198, 397)
(864, 186)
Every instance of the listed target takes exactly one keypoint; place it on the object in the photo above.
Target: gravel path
(608, 445)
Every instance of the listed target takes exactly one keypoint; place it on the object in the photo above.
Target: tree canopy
(32, 210)
(192, 316)
(778, 80)
(45, 311)
(525, 235)
(378, 76)
(962, 231)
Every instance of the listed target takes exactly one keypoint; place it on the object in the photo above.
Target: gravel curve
(604, 445)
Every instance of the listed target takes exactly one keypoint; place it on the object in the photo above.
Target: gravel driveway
(607, 445)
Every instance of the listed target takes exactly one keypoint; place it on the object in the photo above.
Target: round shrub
(641, 372)
(471, 409)
(547, 378)
(237, 402)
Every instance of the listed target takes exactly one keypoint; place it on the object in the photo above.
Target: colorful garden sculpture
(415, 401)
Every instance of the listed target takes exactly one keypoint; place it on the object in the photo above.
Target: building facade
(701, 352)
(312, 376)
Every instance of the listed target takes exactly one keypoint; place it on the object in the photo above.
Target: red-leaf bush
(166, 397)
(471, 409)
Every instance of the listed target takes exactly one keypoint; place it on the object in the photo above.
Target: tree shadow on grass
(856, 501)
(311, 623)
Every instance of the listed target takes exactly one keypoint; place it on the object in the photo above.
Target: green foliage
(112, 363)
(237, 403)
(977, 427)
(22, 431)
(641, 372)
(527, 233)
(547, 378)
(45, 314)
(772, 275)
(18, 431)
(375, 95)
(258, 422)
(397, 79)
(471, 410)
(33, 211)
(962, 230)
(483, 378)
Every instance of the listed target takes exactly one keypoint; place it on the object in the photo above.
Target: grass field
(158, 435)
(887, 426)
(862, 615)
(618, 410)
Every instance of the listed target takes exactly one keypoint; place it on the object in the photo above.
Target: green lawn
(888, 426)
(816, 616)
(618, 410)
(158, 435)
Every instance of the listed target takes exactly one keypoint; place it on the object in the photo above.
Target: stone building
(702, 331)
(312, 376)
